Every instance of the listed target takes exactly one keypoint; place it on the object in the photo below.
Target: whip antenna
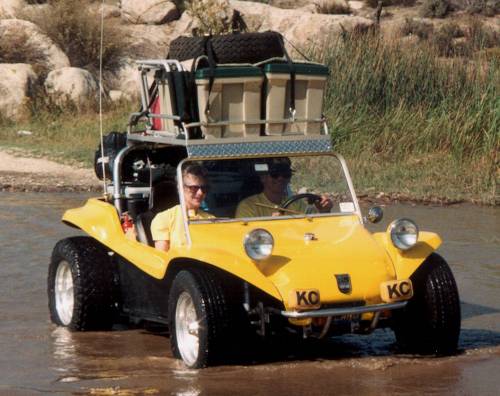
(104, 160)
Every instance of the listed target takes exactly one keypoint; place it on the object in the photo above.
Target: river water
(38, 358)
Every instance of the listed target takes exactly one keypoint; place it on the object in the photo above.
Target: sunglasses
(285, 174)
(193, 189)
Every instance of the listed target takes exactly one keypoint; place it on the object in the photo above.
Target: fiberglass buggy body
(237, 277)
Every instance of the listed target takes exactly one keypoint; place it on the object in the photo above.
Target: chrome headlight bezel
(258, 244)
(404, 233)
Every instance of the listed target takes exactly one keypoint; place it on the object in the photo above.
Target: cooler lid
(313, 69)
(229, 72)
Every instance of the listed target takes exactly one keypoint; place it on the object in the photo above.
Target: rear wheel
(430, 323)
(81, 285)
(199, 318)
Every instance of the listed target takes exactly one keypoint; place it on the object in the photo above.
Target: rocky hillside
(49, 49)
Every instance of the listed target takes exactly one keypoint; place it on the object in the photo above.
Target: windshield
(273, 186)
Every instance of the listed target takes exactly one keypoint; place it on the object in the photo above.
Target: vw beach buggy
(298, 271)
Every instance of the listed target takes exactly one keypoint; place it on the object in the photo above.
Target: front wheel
(199, 319)
(81, 285)
(430, 323)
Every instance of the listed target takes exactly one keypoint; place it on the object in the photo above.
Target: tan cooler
(310, 81)
(235, 96)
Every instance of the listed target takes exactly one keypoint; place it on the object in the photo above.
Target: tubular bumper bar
(343, 311)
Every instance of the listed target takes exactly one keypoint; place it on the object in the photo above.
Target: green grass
(69, 137)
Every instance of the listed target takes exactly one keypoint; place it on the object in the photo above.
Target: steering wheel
(311, 198)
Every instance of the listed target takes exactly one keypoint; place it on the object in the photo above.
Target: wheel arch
(407, 262)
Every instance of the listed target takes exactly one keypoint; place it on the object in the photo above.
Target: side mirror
(375, 214)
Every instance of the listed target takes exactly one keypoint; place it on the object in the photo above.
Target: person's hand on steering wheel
(325, 204)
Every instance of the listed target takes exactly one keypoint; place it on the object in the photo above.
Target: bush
(488, 8)
(77, 31)
(332, 7)
(422, 30)
(211, 16)
(386, 3)
(444, 40)
(435, 8)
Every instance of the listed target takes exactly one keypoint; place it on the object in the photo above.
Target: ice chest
(235, 96)
(310, 81)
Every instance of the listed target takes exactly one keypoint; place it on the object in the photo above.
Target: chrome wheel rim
(63, 290)
(187, 329)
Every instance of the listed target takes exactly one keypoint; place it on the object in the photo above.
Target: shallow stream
(38, 358)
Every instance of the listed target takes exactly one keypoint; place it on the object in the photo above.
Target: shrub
(77, 31)
(386, 3)
(332, 7)
(479, 36)
(444, 40)
(212, 16)
(435, 8)
(422, 30)
(484, 7)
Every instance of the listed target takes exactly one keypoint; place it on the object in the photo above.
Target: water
(38, 358)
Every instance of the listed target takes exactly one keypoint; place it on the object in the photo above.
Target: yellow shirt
(248, 207)
(168, 225)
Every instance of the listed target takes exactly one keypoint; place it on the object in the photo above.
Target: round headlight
(258, 244)
(404, 233)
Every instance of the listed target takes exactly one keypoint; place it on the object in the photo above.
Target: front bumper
(342, 311)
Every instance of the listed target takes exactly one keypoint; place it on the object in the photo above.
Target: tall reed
(388, 101)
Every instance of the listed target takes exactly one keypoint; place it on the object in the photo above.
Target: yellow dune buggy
(302, 272)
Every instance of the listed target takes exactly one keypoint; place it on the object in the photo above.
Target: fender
(406, 262)
(100, 220)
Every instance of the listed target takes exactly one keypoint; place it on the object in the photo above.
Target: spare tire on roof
(230, 48)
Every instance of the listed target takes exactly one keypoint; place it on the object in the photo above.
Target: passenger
(167, 228)
(275, 175)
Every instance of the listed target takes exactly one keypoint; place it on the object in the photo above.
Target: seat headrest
(164, 196)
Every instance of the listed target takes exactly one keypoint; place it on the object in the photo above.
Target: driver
(275, 175)
(167, 228)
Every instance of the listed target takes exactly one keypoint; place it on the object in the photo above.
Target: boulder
(148, 41)
(71, 84)
(54, 57)
(9, 8)
(128, 80)
(17, 85)
(109, 10)
(117, 95)
(149, 12)
(299, 27)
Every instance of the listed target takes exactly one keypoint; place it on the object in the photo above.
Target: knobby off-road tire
(430, 323)
(199, 318)
(231, 48)
(81, 285)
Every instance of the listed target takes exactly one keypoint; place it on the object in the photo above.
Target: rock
(149, 41)
(149, 12)
(356, 5)
(299, 27)
(17, 85)
(183, 26)
(71, 84)
(9, 8)
(128, 80)
(110, 11)
(54, 57)
(117, 95)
